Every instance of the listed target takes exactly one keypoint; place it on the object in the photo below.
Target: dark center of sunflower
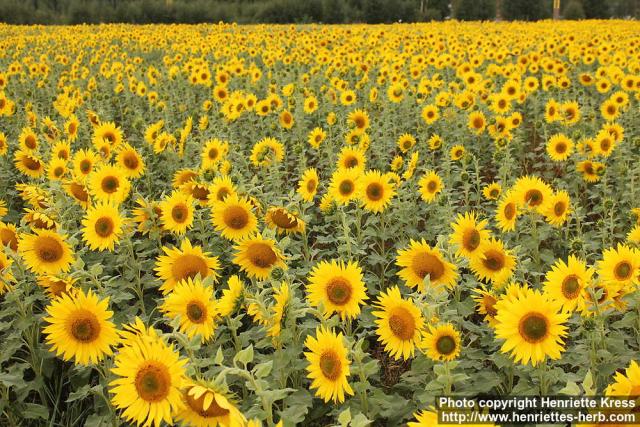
(79, 192)
(49, 249)
(30, 142)
(213, 154)
(611, 109)
(605, 144)
(110, 184)
(330, 365)
(561, 148)
(188, 266)
(8, 238)
(283, 219)
(85, 166)
(552, 111)
(110, 137)
(359, 121)
(346, 188)
(200, 192)
(85, 326)
(471, 239)
(339, 291)
(222, 194)
(213, 411)
(432, 186)
(72, 128)
(402, 324)
(425, 263)
(131, 161)
(63, 154)
(493, 260)
(262, 255)
(446, 345)
(153, 382)
(489, 303)
(533, 327)
(58, 172)
(351, 162)
(533, 197)
(311, 185)
(571, 287)
(375, 191)
(180, 213)
(559, 208)
(623, 270)
(236, 217)
(31, 163)
(196, 312)
(478, 123)
(104, 227)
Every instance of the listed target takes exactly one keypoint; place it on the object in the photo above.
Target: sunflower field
(315, 225)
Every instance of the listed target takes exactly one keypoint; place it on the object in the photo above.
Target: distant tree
(333, 11)
(596, 9)
(526, 10)
(573, 10)
(473, 10)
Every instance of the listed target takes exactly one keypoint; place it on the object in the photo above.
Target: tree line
(302, 11)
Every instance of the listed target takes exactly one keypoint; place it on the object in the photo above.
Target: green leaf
(570, 389)
(587, 384)
(360, 420)
(263, 369)
(244, 356)
(345, 417)
(33, 411)
(219, 357)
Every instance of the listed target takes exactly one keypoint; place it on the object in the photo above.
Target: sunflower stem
(542, 375)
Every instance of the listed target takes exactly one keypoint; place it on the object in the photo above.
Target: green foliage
(573, 10)
(474, 10)
(526, 10)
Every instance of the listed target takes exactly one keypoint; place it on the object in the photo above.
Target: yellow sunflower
(351, 158)
(184, 263)
(507, 212)
(419, 260)
(406, 142)
(457, 152)
(220, 188)
(6, 277)
(620, 267)
(627, 384)
(400, 324)
(442, 342)
(84, 162)
(266, 152)
(469, 234)
(532, 326)
(559, 147)
(337, 287)
(566, 282)
(195, 307)
(102, 226)
(486, 304)
(45, 252)
(257, 256)
(109, 184)
(213, 152)
(558, 208)
(177, 212)
(8, 236)
(344, 185)
(228, 302)
(233, 218)
(130, 161)
(329, 366)
(79, 192)
(80, 327)
(492, 191)
(205, 406)
(284, 221)
(532, 193)
(109, 132)
(375, 191)
(308, 184)
(430, 186)
(282, 297)
(359, 119)
(29, 164)
(493, 263)
(56, 286)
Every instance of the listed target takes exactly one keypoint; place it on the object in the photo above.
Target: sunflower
(282, 297)
(29, 164)
(492, 191)
(406, 142)
(375, 191)
(442, 343)
(266, 152)
(4, 147)
(559, 147)
(184, 263)
(351, 158)
(430, 186)
(109, 184)
(359, 119)
(435, 142)
(177, 212)
(493, 263)
(45, 252)
(38, 219)
(605, 143)
(620, 267)
(430, 114)
(486, 304)
(308, 184)
(220, 188)
(589, 170)
(344, 185)
(257, 256)
(80, 327)
(532, 326)
(213, 152)
(71, 127)
(56, 286)
(419, 260)
(328, 365)
(233, 218)
(469, 234)
(84, 161)
(109, 132)
(102, 226)
(8, 236)
(532, 193)
(3, 209)
(477, 122)
(456, 152)
(400, 324)
(205, 406)
(28, 140)
(609, 110)
(130, 161)
(6, 278)
(634, 235)
(558, 208)
(195, 307)
(337, 287)
(284, 221)
(61, 150)
(552, 111)
(566, 282)
(150, 376)
(316, 136)
(228, 302)
(627, 384)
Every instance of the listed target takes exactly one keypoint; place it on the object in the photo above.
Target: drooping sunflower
(80, 327)
(45, 252)
(130, 161)
(193, 303)
(566, 282)
(442, 342)
(257, 256)
(558, 208)
(469, 234)
(109, 184)
(344, 185)
(102, 226)
(58, 285)
(419, 260)
(29, 164)
(206, 406)
(150, 376)
(532, 326)
(620, 266)
(559, 147)
(184, 263)
(375, 191)
(486, 304)
(8, 236)
(532, 193)
(284, 221)
(266, 152)
(494, 263)
(351, 158)
(177, 212)
(338, 287)
(79, 192)
(400, 324)
(233, 218)
(329, 366)
(308, 184)
(228, 302)
(430, 186)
